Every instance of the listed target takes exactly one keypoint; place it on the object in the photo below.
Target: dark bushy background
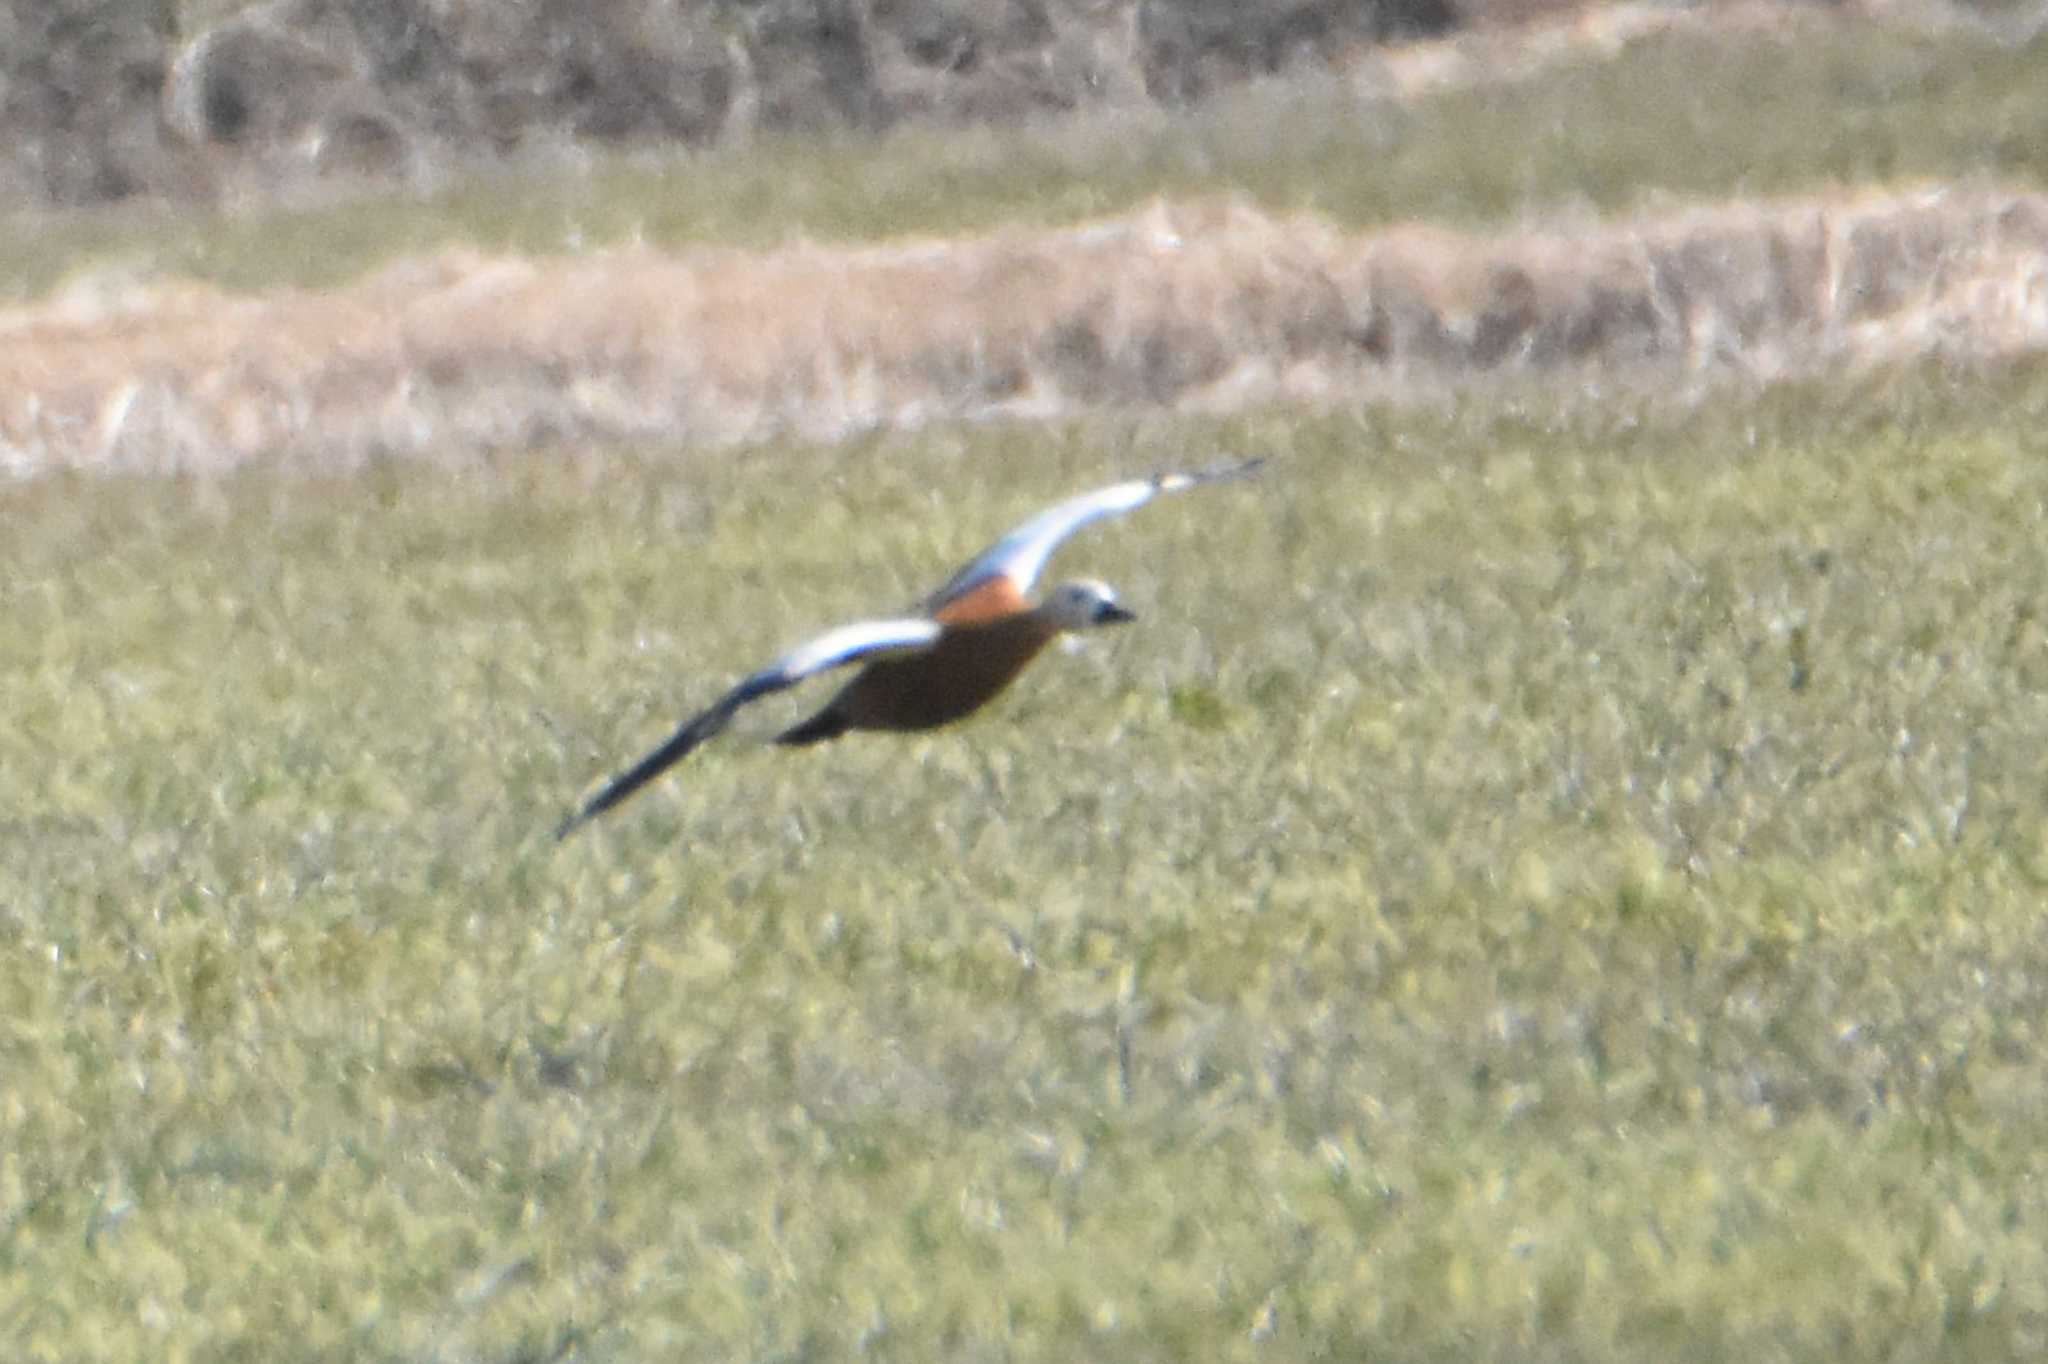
(105, 100)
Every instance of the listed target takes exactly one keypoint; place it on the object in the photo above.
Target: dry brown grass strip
(1212, 305)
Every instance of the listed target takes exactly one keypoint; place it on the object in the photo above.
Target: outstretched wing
(834, 649)
(1020, 556)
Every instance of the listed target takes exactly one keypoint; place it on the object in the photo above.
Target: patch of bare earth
(1209, 305)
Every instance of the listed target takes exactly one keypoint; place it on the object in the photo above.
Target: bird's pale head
(1084, 604)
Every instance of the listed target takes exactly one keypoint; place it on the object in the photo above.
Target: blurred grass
(1684, 114)
(1545, 880)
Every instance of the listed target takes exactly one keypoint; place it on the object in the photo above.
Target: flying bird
(966, 642)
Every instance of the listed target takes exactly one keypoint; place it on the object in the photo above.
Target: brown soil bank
(1210, 305)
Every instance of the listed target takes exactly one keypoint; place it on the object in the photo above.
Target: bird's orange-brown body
(959, 675)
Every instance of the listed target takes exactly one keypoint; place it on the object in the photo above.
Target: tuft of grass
(1546, 879)
(1696, 114)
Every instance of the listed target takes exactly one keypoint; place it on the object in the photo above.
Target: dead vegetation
(1208, 305)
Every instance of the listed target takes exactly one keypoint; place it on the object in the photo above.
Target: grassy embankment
(1547, 879)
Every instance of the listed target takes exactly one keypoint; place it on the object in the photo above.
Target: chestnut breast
(957, 676)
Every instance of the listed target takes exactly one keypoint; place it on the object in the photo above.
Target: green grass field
(1549, 877)
(1545, 880)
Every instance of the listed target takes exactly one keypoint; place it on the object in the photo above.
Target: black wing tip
(1222, 471)
(659, 761)
(1243, 467)
(613, 794)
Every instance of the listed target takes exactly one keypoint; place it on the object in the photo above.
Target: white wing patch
(835, 648)
(849, 643)
(1021, 555)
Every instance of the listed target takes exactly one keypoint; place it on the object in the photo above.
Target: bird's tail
(828, 723)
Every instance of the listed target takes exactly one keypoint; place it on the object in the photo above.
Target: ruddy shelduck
(969, 640)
